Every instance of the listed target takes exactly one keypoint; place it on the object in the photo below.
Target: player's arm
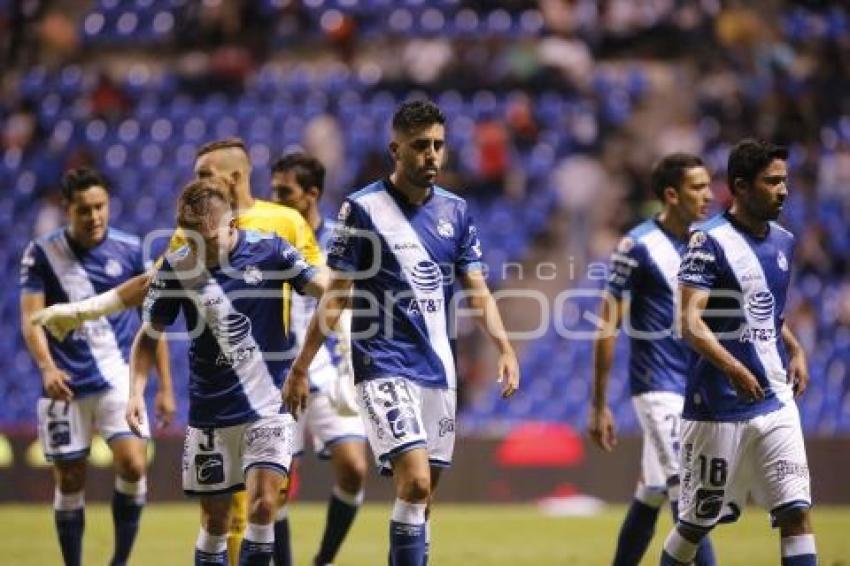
(164, 404)
(700, 337)
(486, 313)
(798, 369)
(55, 380)
(143, 355)
(601, 426)
(325, 319)
(62, 318)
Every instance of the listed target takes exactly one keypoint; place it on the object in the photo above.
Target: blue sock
(282, 554)
(210, 550)
(636, 533)
(407, 534)
(342, 509)
(70, 517)
(257, 546)
(127, 503)
(799, 551)
(427, 541)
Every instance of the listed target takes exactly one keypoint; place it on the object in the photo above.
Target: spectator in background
(107, 100)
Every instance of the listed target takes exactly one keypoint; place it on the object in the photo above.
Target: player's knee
(793, 522)
(216, 525)
(353, 475)
(263, 508)
(71, 476)
(132, 467)
(416, 489)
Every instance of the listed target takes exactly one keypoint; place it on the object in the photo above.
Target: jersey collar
(400, 197)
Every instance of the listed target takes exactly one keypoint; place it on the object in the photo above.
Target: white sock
(798, 545)
(282, 513)
(260, 533)
(680, 548)
(651, 496)
(211, 544)
(68, 501)
(409, 513)
(353, 499)
(135, 489)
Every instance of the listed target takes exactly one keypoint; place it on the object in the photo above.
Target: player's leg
(436, 473)
(266, 460)
(780, 460)
(262, 486)
(412, 478)
(212, 469)
(128, 499)
(129, 456)
(69, 508)
(342, 439)
(211, 544)
(711, 463)
(638, 526)
(64, 429)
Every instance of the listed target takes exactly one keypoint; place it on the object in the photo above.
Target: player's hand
(295, 391)
(745, 383)
(602, 428)
(164, 408)
(508, 373)
(135, 414)
(56, 384)
(58, 319)
(798, 373)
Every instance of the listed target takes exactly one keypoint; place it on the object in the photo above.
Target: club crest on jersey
(344, 211)
(697, 239)
(625, 245)
(112, 267)
(445, 228)
(782, 261)
(252, 275)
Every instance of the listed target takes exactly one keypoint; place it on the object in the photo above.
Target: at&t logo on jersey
(426, 276)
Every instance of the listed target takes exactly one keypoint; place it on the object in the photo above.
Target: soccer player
(85, 376)
(642, 287)
(229, 160)
(297, 182)
(400, 244)
(228, 285)
(741, 428)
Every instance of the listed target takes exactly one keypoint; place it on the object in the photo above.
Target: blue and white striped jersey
(643, 274)
(239, 353)
(323, 369)
(404, 260)
(748, 279)
(96, 355)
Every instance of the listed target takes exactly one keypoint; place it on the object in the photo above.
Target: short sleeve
(33, 269)
(295, 268)
(305, 242)
(624, 266)
(701, 264)
(164, 297)
(348, 247)
(469, 256)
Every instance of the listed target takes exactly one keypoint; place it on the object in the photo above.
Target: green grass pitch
(463, 535)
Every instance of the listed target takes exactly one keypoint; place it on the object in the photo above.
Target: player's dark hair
(196, 198)
(81, 179)
(309, 171)
(226, 143)
(670, 171)
(750, 157)
(415, 115)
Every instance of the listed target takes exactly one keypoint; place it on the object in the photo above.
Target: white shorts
(401, 415)
(215, 460)
(65, 428)
(327, 427)
(659, 414)
(723, 461)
